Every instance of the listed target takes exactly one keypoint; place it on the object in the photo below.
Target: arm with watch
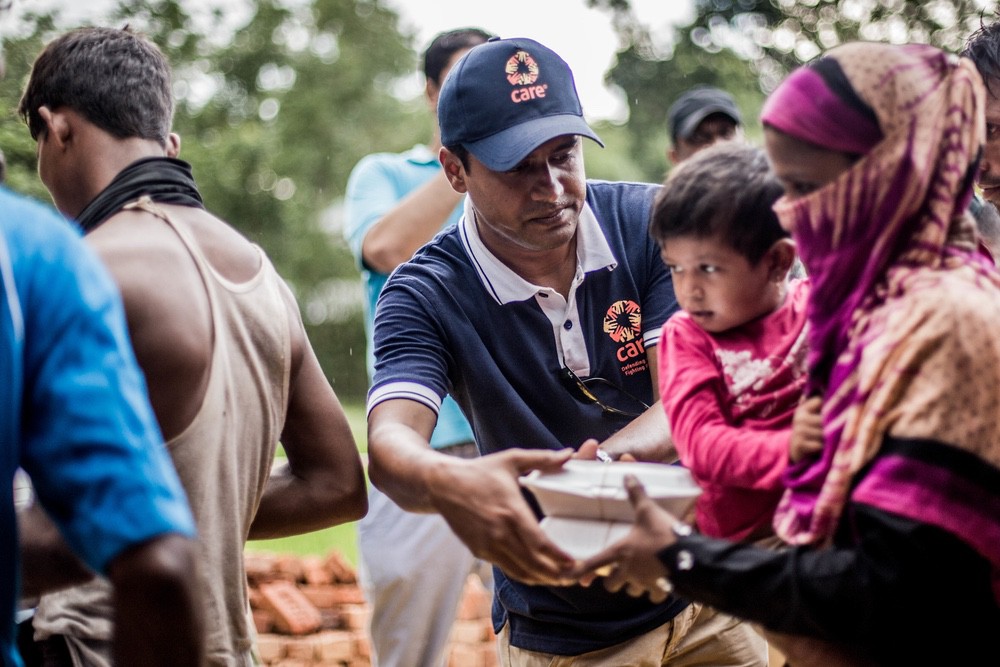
(859, 586)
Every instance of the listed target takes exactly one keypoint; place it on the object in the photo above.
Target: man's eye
(709, 268)
(991, 130)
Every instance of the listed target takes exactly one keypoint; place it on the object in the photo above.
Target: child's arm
(807, 430)
(693, 392)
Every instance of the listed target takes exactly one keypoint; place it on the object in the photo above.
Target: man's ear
(453, 170)
(58, 127)
(173, 144)
(780, 258)
(431, 92)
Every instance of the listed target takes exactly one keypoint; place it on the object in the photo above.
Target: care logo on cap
(522, 70)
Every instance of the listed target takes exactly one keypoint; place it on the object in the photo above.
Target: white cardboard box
(586, 506)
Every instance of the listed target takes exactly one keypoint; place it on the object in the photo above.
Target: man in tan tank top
(215, 329)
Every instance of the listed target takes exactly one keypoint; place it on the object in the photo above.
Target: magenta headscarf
(817, 104)
(878, 243)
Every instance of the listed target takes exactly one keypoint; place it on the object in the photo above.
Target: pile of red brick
(310, 611)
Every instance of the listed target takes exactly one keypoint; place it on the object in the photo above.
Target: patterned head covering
(885, 244)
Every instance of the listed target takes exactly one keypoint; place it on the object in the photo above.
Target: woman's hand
(633, 561)
(807, 430)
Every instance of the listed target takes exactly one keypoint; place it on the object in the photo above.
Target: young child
(732, 363)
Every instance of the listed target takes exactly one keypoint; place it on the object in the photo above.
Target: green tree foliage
(748, 46)
(273, 114)
(652, 75)
(652, 84)
(18, 147)
(778, 35)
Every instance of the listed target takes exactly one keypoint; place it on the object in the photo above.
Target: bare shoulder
(167, 309)
(148, 261)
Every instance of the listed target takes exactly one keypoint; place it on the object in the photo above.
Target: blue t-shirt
(455, 319)
(376, 185)
(74, 412)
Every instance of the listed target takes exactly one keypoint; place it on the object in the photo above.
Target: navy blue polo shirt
(456, 320)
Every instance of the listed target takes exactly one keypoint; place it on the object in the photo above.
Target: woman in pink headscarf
(894, 521)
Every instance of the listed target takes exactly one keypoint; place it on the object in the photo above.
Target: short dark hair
(724, 191)
(444, 46)
(983, 49)
(117, 79)
(462, 153)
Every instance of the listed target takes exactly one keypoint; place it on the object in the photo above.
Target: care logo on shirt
(623, 324)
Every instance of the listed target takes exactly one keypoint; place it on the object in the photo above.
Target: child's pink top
(730, 399)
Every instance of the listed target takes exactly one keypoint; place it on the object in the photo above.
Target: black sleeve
(890, 581)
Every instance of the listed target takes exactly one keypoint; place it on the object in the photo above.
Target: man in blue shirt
(539, 313)
(413, 568)
(75, 416)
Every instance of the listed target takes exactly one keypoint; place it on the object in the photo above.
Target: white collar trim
(592, 251)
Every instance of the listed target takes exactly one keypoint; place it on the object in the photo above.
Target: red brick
(476, 601)
(253, 595)
(461, 655)
(263, 620)
(313, 571)
(490, 657)
(293, 613)
(482, 655)
(289, 568)
(470, 632)
(362, 645)
(334, 595)
(322, 597)
(330, 619)
(334, 645)
(259, 566)
(301, 648)
(271, 648)
(340, 568)
(355, 616)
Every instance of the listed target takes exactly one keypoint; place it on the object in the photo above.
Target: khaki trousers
(697, 636)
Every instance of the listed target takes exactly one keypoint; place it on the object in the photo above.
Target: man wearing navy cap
(699, 118)
(539, 313)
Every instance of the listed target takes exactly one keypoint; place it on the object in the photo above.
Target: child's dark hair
(445, 45)
(116, 79)
(724, 191)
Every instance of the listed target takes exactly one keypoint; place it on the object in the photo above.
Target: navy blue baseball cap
(507, 97)
(697, 104)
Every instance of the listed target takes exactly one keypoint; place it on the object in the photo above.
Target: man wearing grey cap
(700, 117)
(539, 312)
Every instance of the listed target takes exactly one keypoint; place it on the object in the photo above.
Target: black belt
(463, 450)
